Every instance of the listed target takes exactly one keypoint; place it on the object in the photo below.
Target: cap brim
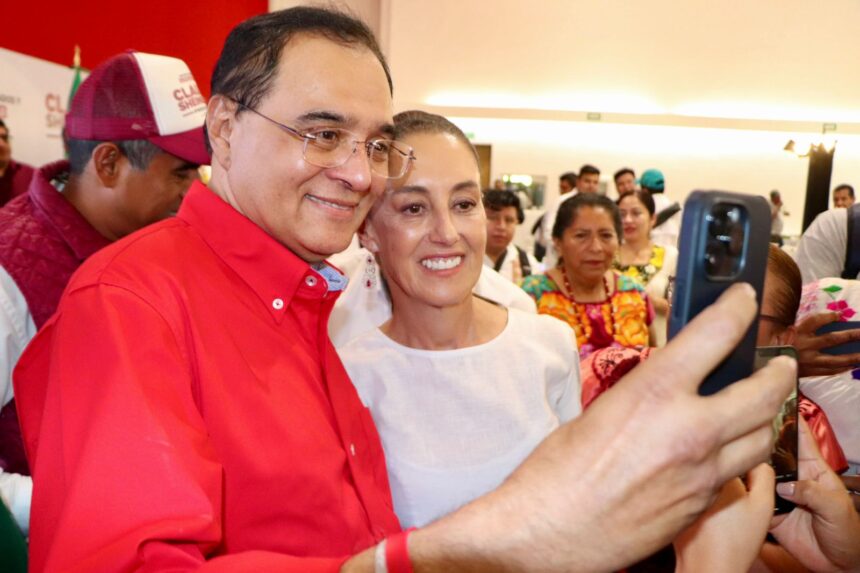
(188, 145)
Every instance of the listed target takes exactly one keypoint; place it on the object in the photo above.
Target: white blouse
(455, 423)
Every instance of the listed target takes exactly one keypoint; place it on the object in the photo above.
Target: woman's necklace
(569, 289)
(580, 311)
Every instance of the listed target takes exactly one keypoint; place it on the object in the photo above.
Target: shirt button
(310, 280)
(352, 449)
(278, 304)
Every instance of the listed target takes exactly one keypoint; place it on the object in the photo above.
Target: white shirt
(821, 250)
(666, 234)
(364, 304)
(16, 330)
(511, 268)
(455, 423)
(775, 219)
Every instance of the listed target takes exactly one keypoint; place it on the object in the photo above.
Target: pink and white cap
(135, 95)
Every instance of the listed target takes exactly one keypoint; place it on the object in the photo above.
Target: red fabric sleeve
(125, 477)
(823, 433)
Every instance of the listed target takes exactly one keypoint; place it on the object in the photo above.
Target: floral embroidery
(620, 321)
(835, 304)
(644, 273)
(840, 306)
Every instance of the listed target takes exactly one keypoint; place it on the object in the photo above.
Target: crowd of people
(332, 356)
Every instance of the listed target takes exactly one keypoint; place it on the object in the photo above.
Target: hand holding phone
(724, 240)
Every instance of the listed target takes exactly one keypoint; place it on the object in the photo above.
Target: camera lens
(714, 254)
(725, 240)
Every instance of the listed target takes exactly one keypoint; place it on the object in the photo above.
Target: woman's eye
(413, 209)
(465, 205)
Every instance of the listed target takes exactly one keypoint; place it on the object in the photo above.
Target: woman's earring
(371, 273)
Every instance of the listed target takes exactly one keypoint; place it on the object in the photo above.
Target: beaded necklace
(579, 308)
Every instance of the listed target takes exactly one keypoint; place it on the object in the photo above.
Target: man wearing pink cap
(134, 136)
(185, 410)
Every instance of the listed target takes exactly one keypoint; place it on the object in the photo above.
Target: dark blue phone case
(695, 289)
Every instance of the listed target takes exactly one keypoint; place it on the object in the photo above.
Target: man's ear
(367, 236)
(107, 162)
(220, 118)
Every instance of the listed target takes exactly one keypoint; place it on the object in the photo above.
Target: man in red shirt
(185, 409)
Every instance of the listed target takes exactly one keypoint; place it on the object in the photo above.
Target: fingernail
(786, 489)
(748, 289)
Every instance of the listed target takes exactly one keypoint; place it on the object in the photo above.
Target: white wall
(709, 92)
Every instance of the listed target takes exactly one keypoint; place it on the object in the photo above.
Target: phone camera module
(725, 240)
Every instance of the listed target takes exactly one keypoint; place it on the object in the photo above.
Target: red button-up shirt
(185, 404)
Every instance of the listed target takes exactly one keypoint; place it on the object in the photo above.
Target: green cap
(652, 179)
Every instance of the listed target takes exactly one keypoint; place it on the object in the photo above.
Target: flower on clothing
(841, 306)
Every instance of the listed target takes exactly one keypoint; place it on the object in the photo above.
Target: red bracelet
(397, 552)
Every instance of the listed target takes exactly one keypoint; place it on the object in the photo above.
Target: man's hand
(811, 361)
(823, 533)
(621, 481)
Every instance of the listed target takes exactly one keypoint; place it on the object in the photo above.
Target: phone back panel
(696, 287)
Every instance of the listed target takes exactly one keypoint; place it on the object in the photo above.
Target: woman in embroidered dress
(641, 259)
(604, 307)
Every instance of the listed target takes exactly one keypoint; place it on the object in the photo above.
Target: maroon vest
(15, 181)
(43, 240)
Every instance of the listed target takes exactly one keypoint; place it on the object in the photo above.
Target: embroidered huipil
(621, 320)
(185, 409)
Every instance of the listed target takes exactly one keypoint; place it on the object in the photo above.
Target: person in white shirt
(821, 251)
(504, 213)
(461, 389)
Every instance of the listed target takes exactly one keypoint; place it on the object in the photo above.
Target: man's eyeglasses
(330, 147)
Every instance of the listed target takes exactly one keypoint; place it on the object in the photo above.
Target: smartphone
(724, 240)
(783, 457)
(847, 348)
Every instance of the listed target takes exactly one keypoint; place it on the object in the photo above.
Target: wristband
(397, 552)
(379, 559)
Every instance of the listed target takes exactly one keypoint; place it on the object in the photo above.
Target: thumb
(811, 495)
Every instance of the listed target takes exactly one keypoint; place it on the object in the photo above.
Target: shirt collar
(75, 230)
(271, 270)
